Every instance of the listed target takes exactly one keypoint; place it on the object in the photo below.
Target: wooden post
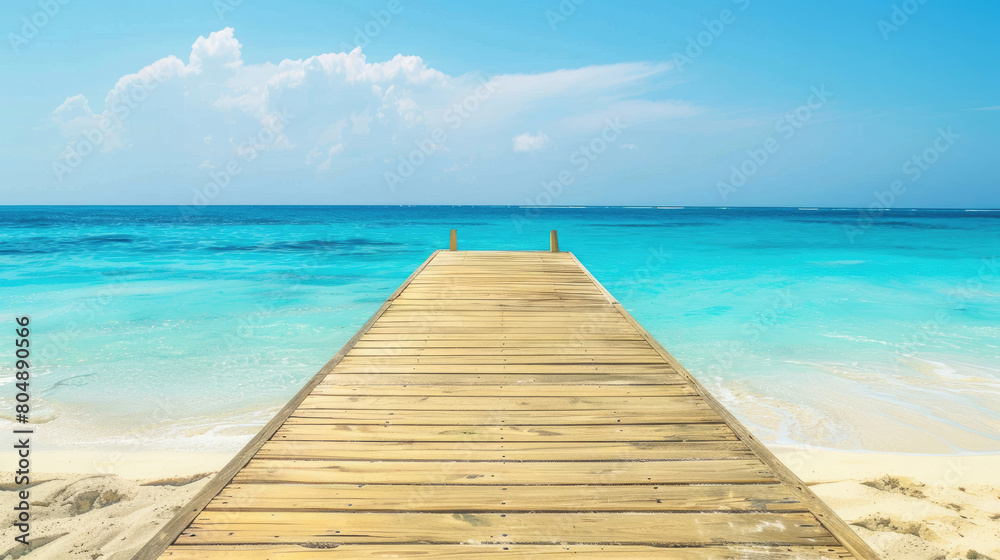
(553, 242)
(454, 240)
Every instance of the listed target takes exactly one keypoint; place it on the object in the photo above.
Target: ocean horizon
(186, 328)
(877, 209)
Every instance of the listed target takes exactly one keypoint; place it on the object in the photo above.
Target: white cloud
(456, 167)
(361, 123)
(342, 113)
(560, 85)
(528, 143)
(75, 116)
(219, 52)
(629, 147)
(631, 112)
(312, 156)
(334, 150)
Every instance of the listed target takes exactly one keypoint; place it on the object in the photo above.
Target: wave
(311, 245)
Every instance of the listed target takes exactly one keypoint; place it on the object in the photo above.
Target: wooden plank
(330, 388)
(574, 285)
(534, 327)
(569, 369)
(527, 403)
(550, 433)
(495, 451)
(607, 312)
(496, 352)
(213, 527)
(507, 303)
(483, 418)
(525, 379)
(526, 323)
(506, 327)
(508, 334)
(549, 359)
(507, 551)
(292, 471)
(524, 345)
(472, 499)
(514, 339)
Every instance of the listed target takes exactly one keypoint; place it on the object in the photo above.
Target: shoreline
(134, 465)
(823, 466)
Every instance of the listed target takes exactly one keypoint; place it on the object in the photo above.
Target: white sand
(92, 516)
(909, 507)
(109, 504)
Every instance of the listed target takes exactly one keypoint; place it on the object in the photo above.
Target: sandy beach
(908, 507)
(102, 504)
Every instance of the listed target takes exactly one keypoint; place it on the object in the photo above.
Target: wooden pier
(504, 405)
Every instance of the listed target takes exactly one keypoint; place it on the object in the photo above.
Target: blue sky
(554, 103)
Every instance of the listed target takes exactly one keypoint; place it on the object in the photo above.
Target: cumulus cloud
(75, 116)
(220, 52)
(336, 113)
(528, 143)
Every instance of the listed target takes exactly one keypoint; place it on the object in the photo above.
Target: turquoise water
(157, 328)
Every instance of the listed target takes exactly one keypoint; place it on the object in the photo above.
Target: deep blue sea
(170, 328)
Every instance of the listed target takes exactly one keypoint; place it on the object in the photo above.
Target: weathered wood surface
(502, 404)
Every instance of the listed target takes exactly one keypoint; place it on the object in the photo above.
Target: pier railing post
(453, 245)
(553, 242)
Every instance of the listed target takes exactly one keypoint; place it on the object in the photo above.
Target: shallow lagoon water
(172, 328)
